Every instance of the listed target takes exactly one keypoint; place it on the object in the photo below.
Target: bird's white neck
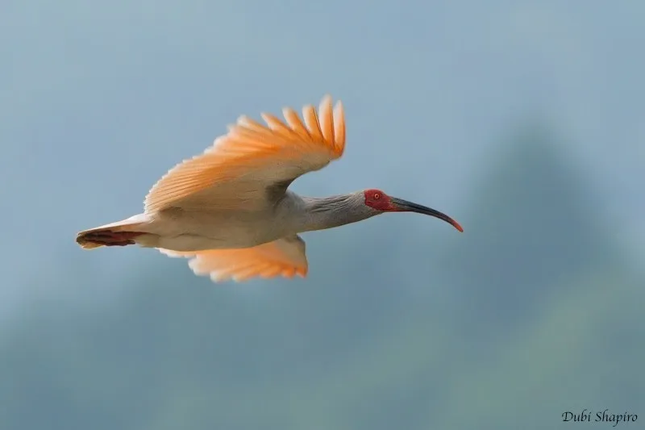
(319, 213)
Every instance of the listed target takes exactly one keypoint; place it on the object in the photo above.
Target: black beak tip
(406, 206)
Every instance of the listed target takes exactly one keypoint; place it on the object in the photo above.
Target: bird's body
(229, 209)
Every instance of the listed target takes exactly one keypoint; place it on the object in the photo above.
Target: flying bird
(229, 209)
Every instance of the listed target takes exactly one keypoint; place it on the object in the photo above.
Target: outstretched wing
(283, 257)
(254, 163)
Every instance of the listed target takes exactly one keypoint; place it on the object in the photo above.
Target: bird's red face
(380, 201)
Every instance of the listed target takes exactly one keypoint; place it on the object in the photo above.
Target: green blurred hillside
(526, 315)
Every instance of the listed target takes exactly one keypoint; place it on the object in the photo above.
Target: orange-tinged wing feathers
(296, 124)
(283, 257)
(235, 171)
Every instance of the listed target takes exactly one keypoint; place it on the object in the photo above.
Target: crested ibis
(229, 210)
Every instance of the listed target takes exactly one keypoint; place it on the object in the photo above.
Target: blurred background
(525, 121)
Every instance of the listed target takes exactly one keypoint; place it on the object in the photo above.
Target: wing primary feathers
(292, 118)
(339, 123)
(311, 119)
(327, 120)
(278, 127)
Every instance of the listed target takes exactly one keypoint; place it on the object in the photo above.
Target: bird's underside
(225, 209)
(284, 256)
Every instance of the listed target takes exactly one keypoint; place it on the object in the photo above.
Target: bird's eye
(377, 196)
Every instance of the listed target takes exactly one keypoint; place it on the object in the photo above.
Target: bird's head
(379, 201)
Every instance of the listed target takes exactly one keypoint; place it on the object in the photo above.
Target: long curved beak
(400, 205)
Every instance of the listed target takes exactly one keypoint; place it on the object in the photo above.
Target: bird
(230, 211)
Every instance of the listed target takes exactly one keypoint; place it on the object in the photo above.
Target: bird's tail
(120, 233)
